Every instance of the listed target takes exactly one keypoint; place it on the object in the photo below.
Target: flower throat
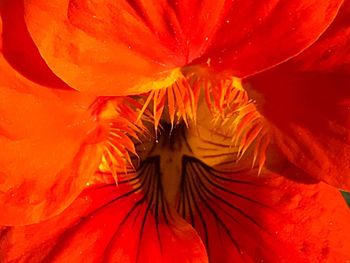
(168, 149)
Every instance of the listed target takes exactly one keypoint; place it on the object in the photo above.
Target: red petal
(92, 229)
(244, 218)
(255, 36)
(44, 157)
(332, 50)
(114, 47)
(309, 114)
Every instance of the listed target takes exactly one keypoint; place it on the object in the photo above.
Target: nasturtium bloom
(174, 131)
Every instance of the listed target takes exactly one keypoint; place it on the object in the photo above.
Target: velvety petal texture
(306, 102)
(105, 224)
(332, 51)
(45, 157)
(266, 219)
(116, 47)
(310, 120)
(58, 56)
(255, 36)
(244, 218)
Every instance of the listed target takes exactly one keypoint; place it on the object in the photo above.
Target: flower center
(193, 141)
(221, 102)
(189, 171)
(168, 153)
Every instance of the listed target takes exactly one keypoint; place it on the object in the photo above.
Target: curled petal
(309, 115)
(45, 156)
(117, 47)
(19, 49)
(104, 47)
(108, 224)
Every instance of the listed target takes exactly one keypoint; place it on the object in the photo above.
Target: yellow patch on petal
(166, 81)
(180, 96)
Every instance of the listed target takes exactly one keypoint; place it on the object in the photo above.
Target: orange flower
(174, 131)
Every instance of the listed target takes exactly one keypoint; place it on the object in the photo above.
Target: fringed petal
(309, 117)
(307, 99)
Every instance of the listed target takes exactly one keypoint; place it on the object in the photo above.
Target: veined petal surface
(116, 47)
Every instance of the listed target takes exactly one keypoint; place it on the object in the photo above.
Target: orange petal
(244, 218)
(19, 49)
(105, 48)
(116, 47)
(45, 157)
(108, 224)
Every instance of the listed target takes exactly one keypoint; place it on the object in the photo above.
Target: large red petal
(114, 47)
(45, 157)
(310, 120)
(96, 228)
(307, 100)
(245, 218)
(255, 36)
(332, 50)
